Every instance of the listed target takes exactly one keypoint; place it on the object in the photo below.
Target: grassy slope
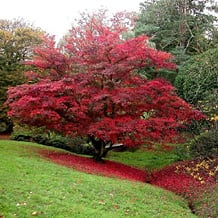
(33, 186)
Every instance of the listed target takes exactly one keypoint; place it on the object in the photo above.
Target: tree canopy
(17, 39)
(99, 94)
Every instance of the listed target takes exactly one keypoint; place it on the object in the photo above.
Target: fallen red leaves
(169, 178)
(89, 165)
(4, 137)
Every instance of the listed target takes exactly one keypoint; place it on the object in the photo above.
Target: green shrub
(40, 135)
(26, 133)
(197, 78)
(182, 152)
(3, 126)
(205, 145)
(76, 145)
(197, 83)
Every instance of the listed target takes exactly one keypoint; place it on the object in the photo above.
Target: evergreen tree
(182, 27)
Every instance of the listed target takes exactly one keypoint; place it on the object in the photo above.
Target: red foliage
(49, 60)
(167, 178)
(176, 179)
(90, 88)
(88, 165)
(73, 106)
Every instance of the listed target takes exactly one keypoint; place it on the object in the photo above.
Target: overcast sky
(56, 16)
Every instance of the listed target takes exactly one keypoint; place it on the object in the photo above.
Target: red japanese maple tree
(98, 93)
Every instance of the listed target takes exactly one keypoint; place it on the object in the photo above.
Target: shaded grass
(32, 186)
(144, 159)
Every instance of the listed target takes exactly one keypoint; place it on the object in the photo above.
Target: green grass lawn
(149, 160)
(31, 186)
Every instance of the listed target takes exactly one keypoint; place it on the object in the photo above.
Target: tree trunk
(100, 150)
(183, 10)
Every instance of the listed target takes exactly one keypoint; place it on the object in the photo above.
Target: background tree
(16, 41)
(104, 98)
(181, 27)
(178, 24)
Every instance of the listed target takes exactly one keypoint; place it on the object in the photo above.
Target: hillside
(33, 186)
